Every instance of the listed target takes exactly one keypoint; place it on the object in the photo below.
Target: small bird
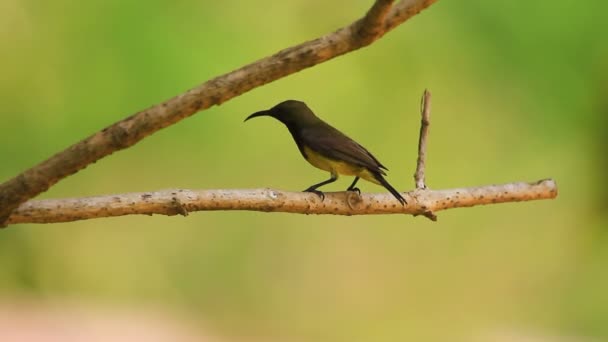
(327, 148)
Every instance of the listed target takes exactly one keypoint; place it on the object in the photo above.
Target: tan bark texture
(182, 202)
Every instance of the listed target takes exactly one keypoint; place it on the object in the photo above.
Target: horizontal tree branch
(381, 18)
(181, 201)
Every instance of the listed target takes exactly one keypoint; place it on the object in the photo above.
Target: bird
(327, 148)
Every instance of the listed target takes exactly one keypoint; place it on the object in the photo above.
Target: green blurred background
(519, 93)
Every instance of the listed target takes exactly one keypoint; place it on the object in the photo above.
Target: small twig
(173, 202)
(425, 122)
(425, 112)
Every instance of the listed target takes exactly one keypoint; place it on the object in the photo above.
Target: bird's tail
(390, 188)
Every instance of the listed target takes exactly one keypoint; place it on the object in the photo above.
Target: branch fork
(425, 122)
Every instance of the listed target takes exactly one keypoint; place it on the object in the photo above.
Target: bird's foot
(355, 190)
(353, 197)
(316, 192)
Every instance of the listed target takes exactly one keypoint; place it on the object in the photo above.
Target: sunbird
(328, 149)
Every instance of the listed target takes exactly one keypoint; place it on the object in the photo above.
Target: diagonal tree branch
(372, 26)
(402, 11)
(180, 201)
(381, 18)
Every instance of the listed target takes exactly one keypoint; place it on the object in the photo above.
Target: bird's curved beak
(256, 114)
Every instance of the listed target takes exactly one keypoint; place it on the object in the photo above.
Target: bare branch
(425, 122)
(372, 26)
(174, 202)
(425, 112)
(404, 10)
(134, 128)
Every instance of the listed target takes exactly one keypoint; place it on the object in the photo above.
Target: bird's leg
(313, 188)
(353, 188)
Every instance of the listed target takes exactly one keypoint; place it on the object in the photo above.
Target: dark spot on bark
(119, 137)
(146, 196)
(197, 105)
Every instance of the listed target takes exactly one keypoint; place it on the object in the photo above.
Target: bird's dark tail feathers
(390, 188)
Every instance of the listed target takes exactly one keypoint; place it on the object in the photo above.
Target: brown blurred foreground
(69, 322)
(28, 321)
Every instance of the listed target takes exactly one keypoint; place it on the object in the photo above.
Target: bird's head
(290, 112)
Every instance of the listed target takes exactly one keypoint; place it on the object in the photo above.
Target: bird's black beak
(256, 114)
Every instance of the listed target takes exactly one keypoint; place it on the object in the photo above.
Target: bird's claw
(316, 192)
(355, 190)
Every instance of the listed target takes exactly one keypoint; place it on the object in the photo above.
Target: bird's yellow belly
(337, 166)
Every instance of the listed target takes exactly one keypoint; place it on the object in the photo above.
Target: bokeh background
(519, 93)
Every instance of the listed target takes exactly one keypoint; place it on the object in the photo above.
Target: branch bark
(381, 18)
(425, 122)
(182, 202)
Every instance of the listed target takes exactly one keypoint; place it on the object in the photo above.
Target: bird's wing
(335, 145)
